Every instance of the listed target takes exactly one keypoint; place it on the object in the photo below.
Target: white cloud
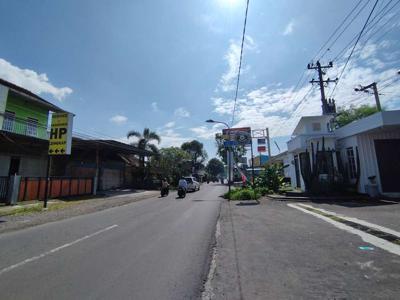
(182, 112)
(280, 108)
(32, 81)
(118, 119)
(171, 138)
(154, 106)
(289, 28)
(169, 125)
(232, 57)
(206, 133)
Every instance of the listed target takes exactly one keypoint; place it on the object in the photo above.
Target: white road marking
(366, 237)
(355, 220)
(34, 258)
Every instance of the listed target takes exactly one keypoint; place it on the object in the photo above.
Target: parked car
(193, 185)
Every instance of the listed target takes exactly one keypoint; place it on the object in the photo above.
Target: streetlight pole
(228, 156)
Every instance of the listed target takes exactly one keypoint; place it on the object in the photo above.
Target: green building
(24, 119)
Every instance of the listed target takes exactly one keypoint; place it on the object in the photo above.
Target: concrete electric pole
(376, 94)
(327, 107)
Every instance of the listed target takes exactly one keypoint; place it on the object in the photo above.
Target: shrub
(243, 194)
(270, 178)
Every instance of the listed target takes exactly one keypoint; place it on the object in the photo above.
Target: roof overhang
(24, 93)
(379, 120)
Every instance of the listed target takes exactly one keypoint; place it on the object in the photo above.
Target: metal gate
(4, 182)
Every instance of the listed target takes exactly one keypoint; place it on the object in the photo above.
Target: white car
(193, 185)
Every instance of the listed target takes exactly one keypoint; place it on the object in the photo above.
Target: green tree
(197, 153)
(239, 150)
(144, 142)
(173, 163)
(215, 167)
(348, 115)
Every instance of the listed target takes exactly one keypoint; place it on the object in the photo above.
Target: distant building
(259, 160)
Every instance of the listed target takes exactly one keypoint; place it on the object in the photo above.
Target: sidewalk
(31, 213)
(272, 251)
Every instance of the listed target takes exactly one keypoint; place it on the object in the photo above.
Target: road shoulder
(20, 221)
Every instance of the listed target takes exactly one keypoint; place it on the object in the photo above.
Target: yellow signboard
(60, 134)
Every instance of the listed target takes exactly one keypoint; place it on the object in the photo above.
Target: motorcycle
(164, 192)
(181, 192)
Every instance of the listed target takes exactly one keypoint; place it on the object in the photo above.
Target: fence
(34, 188)
(4, 182)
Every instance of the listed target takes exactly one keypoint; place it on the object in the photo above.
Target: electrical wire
(371, 24)
(345, 28)
(240, 63)
(351, 53)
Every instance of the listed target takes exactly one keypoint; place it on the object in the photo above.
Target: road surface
(158, 248)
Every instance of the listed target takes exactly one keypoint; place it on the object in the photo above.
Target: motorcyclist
(183, 184)
(164, 187)
(182, 187)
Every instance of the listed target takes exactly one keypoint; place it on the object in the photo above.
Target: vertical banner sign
(61, 134)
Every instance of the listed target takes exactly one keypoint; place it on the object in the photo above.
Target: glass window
(316, 126)
(9, 119)
(31, 127)
(352, 163)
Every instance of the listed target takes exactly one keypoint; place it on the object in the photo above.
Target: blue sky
(170, 65)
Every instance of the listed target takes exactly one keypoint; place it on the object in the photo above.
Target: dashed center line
(52, 251)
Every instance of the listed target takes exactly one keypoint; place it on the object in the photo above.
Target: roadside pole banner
(261, 141)
(241, 135)
(261, 149)
(61, 134)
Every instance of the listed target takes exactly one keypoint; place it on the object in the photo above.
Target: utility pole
(376, 94)
(328, 107)
(268, 143)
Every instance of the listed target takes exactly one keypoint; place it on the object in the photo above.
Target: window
(351, 162)
(31, 127)
(9, 119)
(316, 126)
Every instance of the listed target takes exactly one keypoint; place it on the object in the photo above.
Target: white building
(374, 140)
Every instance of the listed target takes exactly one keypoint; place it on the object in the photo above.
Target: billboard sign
(60, 134)
(241, 135)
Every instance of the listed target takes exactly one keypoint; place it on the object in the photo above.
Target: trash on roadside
(367, 248)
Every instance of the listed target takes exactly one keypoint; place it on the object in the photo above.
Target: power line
(240, 63)
(345, 28)
(337, 29)
(382, 11)
(351, 53)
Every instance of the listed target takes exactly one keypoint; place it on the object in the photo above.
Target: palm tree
(144, 140)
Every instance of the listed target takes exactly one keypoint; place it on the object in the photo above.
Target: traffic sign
(60, 134)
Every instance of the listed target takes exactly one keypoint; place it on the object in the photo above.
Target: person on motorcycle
(182, 188)
(183, 184)
(164, 187)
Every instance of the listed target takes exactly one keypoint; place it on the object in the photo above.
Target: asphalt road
(158, 248)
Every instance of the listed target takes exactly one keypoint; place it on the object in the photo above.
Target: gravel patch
(15, 222)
